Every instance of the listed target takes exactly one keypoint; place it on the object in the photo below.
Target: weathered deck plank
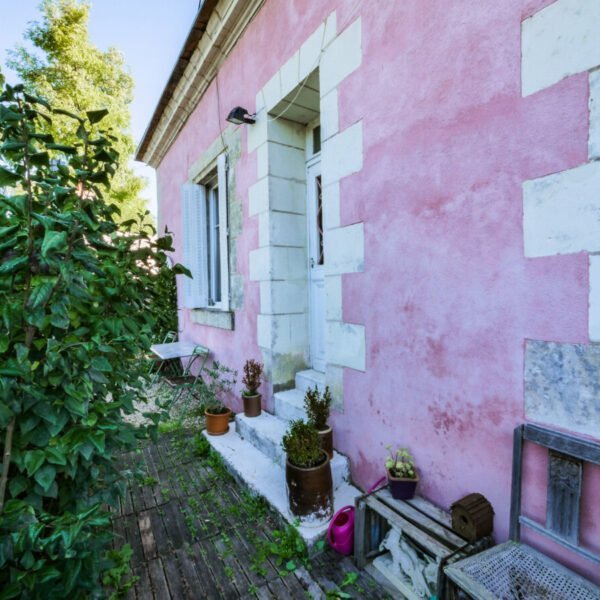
(196, 534)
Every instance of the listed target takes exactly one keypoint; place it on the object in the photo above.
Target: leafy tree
(75, 319)
(68, 70)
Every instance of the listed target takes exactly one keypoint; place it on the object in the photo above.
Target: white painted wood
(316, 267)
(222, 172)
(193, 213)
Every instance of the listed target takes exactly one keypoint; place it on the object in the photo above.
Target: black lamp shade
(239, 115)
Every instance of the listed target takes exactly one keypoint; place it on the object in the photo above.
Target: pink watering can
(340, 532)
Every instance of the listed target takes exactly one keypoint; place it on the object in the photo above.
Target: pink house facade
(412, 220)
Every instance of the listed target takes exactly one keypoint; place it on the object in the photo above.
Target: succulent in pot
(253, 372)
(308, 473)
(402, 473)
(219, 380)
(317, 408)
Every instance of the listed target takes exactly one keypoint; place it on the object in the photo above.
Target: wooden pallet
(425, 527)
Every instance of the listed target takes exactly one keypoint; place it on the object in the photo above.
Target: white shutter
(223, 229)
(193, 213)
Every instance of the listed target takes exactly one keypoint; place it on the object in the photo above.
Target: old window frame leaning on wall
(205, 228)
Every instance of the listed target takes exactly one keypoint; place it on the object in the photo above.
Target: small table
(181, 350)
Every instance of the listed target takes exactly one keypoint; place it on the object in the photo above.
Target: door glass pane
(320, 249)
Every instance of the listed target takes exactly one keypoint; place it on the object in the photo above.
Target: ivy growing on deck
(75, 322)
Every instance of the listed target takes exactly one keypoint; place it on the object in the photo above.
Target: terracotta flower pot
(217, 424)
(252, 405)
(327, 441)
(310, 491)
(402, 488)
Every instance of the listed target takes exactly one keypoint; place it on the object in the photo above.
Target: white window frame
(203, 204)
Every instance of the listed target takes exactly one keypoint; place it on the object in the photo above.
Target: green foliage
(302, 444)
(218, 382)
(253, 371)
(400, 463)
(61, 64)
(75, 293)
(116, 577)
(317, 407)
(287, 549)
(164, 303)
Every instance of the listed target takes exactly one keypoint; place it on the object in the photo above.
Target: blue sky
(149, 33)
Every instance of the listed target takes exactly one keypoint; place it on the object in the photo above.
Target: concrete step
(250, 466)
(265, 433)
(309, 379)
(289, 405)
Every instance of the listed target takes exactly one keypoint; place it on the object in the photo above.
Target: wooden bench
(515, 569)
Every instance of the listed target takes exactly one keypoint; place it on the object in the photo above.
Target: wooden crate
(425, 528)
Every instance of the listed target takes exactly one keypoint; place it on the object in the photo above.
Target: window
(205, 252)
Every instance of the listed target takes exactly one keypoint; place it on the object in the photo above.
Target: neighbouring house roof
(217, 27)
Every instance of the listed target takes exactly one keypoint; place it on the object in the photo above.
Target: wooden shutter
(193, 212)
(224, 229)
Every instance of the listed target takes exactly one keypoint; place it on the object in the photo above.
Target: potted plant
(402, 474)
(307, 472)
(218, 381)
(253, 371)
(317, 410)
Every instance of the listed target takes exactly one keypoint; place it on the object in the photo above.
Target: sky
(149, 33)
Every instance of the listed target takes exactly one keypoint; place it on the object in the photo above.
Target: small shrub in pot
(317, 408)
(308, 473)
(253, 372)
(402, 473)
(219, 380)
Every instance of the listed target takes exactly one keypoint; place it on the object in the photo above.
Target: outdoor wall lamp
(239, 115)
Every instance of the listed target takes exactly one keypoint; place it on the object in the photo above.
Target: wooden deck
(195, 533)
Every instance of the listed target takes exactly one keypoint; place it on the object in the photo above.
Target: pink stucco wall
(447, 297)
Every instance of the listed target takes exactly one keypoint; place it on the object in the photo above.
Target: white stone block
(331, 205)
(287, 195)
(341, 57)
(282, 333)
(282, 229)
(333, 296)
(287, 133)
(262, 161)
(272, 91)
(329, 115)
(260, 264)
(345, 249)
(346, 345)
(285, 161)
(258, 197)
(594, 309)
(310, 52)
(257, 133)
(334, 378)
(290, 74)
(283, 297)
(561, 212)
(330, 28)
(342, 154)
(594, 138)
(560, 40)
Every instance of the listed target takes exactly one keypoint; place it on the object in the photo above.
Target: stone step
(250, 466)
(265, 433)
(309, 379)
(289, 405)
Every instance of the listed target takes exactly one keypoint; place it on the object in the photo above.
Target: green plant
(74, 323)
(116, 578)
(317, 407)
(252, 377)
(400, 463)
(287, 549)
(302, 444)
(219, 380)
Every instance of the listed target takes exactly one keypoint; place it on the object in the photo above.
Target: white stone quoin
(561, 40)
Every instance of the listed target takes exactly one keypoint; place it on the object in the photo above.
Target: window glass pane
(317, 139)
(214, 250)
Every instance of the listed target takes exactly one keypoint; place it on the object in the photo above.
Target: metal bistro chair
(160, 367)
(514, 570)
